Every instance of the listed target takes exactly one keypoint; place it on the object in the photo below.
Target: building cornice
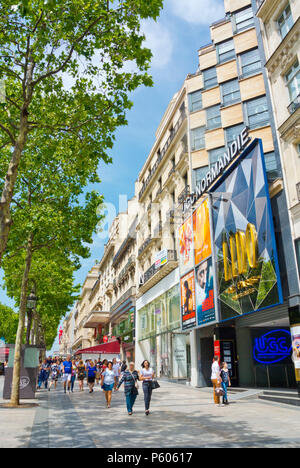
(290, 129)
(267, 9)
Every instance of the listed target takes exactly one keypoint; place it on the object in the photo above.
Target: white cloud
(159, 40)
(202, 12)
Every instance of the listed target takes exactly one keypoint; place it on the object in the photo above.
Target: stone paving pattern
(182, 417)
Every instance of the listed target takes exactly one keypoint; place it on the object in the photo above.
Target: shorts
(67, 378)
(108, 388)
(91, 380)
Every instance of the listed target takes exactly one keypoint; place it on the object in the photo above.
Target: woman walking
(225, 381)
(130, 379)
(54, 375)
(216, 380)
(81, 375)
(73, 378)
(147, 376)
(108, 382)
(91, 370)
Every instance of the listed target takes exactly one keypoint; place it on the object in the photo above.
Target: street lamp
(31, 301)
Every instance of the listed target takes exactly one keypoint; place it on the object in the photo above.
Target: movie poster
(205, 297)
(244, 240)
(188, 301)
(186, 247)
(202, 239)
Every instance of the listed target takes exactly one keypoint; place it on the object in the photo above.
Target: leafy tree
(63, 68)
(8, 323)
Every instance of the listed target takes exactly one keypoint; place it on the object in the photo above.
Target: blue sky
(174, 40)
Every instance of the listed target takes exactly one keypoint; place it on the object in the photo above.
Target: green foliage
(8, 323)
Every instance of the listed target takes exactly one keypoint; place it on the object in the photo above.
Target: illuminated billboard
(244, 241)
(188, 301)
(186, 247)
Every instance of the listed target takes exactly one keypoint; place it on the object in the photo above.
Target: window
(298, 252)
(258, 112)
(213, 116)
(195, 101)
(215, 155)
(198, 138)
(226, 51)
(250, 62)
(285, 22)
(231, 92)
(210, 78)
(292, 79)
(273, 172)
(200, 174)
(244, 19)
(233, 132)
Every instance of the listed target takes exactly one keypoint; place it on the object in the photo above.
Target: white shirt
(109, 377)
(116, 369)
(147, 373)
(215, 371)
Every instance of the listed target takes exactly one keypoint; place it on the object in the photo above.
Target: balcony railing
(294, 105)
(162, 153)
(157, 231)
(184, 194)
(128, 266)
(172, 257)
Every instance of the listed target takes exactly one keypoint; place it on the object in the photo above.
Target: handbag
(136, 384)
(155, 385)
(219, 391)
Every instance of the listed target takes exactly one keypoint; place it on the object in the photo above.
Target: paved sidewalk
(181, 417)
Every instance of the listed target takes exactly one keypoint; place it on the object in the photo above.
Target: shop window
(210, 78)
(213, 117)
(285, 21)
(244, 19)
(258, 112)
(250, 62)
(226, 51)
(230, 92)
(198, 138)
(195, 101)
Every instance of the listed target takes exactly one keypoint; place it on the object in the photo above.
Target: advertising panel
(202, 235)
(205, 295)
(295, 332)
(186, 248)
(188, 301)
(244, 241)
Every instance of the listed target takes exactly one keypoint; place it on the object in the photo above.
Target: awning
(106, 348)
(4, 352)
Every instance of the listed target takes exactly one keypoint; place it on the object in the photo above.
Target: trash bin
(29, 372)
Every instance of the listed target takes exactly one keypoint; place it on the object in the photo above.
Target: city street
(182, 417)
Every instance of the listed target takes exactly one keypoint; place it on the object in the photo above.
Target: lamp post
(31, 305)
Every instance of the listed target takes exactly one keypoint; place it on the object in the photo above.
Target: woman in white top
(108, 381)
(146, 375)
(216, 379)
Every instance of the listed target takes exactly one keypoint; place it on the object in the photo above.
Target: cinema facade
(235, 292)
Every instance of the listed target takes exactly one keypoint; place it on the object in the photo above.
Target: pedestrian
(108, 382)
(216, 380)
(91, 370)
(116, 369)
(73, 378)
(67, 373)
(123, 366)
(146, 376)
(54, 373)
(98, 373)
(44, 374)
(130, 379)
(81, 375)
(225, 381)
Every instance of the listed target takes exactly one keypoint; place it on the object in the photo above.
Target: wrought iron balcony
(184, 194)
(162, 153)
(294, 105)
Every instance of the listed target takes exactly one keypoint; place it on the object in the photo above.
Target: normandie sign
(236, 147)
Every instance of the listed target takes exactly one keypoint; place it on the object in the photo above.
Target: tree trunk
(9, 183)
(29, 324)
(15, 392)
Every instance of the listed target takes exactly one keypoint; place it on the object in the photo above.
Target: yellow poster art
(202, 239)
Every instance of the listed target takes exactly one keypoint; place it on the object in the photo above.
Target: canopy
(106, 348)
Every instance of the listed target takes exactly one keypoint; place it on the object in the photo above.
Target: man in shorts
(67, 374)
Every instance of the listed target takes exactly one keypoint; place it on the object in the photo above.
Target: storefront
(159, 336)
(232, 299)
(125, 331)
